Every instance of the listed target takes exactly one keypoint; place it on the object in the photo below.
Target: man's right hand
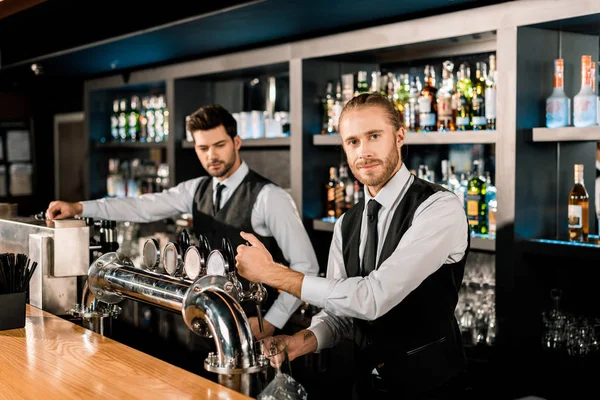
(62, 210)
(299, 344)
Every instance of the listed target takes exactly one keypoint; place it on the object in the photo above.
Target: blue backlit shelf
(589, 250)
(477, 242)
(566, 134)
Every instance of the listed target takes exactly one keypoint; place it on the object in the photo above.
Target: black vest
(418, 341)
(234, 217)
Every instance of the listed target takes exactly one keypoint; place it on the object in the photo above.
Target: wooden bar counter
(52, 358)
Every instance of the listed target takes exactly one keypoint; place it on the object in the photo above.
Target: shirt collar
(390, 192)
(235, 179)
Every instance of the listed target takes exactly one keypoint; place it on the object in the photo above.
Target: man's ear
(237, 142)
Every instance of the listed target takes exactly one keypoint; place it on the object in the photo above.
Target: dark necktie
(370, 254)
(217, 204)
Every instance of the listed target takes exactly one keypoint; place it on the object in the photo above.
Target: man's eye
(203, 148)
(352, 142)
(375, 136)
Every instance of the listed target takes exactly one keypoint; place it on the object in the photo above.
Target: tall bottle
(584, 102)
(327, 110)
(428, 109)
(446, 110)
(123, 120)
(479, 121)
(411, 107)
(464, 96)
(401, 96)
(361, 85)
(348, 188)
(579, 205)
(330, 189)
(133, 119)
(492, 205)
(558, 105)
(114, 122)
(490, 95)
(476, 201)
(338, 106)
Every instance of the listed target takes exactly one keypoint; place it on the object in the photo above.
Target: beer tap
(256, 291)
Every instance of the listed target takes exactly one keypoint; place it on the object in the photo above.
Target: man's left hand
(269, 329)
(253, 262)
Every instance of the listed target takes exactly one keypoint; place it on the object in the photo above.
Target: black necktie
(370, 254)
(217, 204)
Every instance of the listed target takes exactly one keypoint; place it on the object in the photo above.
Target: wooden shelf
(265, 142)
(477, 243)
(131, 145)
(430, 138)
(567, 134)
(563, 248)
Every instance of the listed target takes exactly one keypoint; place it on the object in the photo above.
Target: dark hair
(373, 100)
(211, 116)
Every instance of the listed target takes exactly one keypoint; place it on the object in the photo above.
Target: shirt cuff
(89, 209)
(323, 335)
(314, 290)
(276, 316)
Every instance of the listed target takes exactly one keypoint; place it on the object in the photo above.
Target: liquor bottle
(464, 95)
(445, 175)
(584, 102)
(114, 122)
(340, 196)
(123, 120)
(478, 120)
(579, 204)
(490, 95)
(151, 119)
(375, 82)
(476, 201)
(144, 120)
(327, 103)
(133, 119)
(159, 118)
(446, 110)
(348, 188)
(401, 96)
(330, 190)
(411, 107)
(338, 106)
(361, 85)
(558, 105)
(391, 86)
(428, 109)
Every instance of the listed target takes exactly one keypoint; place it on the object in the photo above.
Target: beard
(226, 166)
(376, 178)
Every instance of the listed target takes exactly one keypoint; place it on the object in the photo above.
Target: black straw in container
(15, 272)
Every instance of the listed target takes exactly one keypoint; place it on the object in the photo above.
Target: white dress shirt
(438, 235)
(274, 213)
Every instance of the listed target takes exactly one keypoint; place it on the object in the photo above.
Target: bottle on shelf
(428, 109)
(464, 96)
(123, 120)
(446, 110)
(338, 106)
(361, 84)
(579, 204)
(411, 107)
(479, 121)
(490, 95)
(348, 187)
(133, 119)
(401, 97)
(330, 189)
(327, 111)
(359, 193)
(558, 105)
(476, 200)
(114, 122)
(585, 102)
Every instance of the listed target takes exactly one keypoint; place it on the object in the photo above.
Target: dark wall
(39, 98)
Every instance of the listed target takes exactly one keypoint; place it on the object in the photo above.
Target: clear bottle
(585, 102)
(114, 122)
(427, 102)
(123, 120)
(558, 105)
(401, 96)
(579, 204)
(338, 106)
(464, 96)
(327, 110)
(411, 107)
(361, 85)
(478, 120)
(133, 119)
(446, 110)
(490, 95)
